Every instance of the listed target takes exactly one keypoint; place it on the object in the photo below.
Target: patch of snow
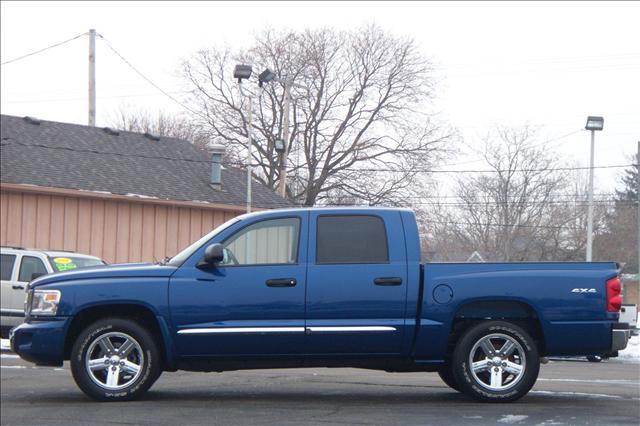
(96, 192)
(612, 382)
(128, 194)
(4, 345)
(632, 351)
(13, 366)
(549, 422)
(472, 417)
(9, 356)
(513, 418)
(573, 394)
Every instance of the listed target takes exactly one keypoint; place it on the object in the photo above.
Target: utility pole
(285, 136)
(92, 77)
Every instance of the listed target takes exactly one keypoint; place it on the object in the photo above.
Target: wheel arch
(133, 311)
(516, 311)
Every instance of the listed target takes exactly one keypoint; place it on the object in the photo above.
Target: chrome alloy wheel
(114, 360)
(497, 362)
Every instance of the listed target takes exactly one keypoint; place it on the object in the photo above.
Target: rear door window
(351, 239)
(6, 266)
(31, 265)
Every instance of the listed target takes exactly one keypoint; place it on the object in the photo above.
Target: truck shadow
(356, 398)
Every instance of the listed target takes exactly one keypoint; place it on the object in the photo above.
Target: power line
(42, 50)
(543, 169)
(8, 141)
(84, 99)
(148, 80)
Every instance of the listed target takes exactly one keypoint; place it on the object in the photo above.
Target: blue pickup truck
(319, 288)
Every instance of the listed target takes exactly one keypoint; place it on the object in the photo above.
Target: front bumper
(40, 342)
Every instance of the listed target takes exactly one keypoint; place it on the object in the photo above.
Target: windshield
(179, 258)
(67, 263)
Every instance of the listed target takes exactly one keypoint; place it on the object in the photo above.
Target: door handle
(207, 280)
(281, 282)
(387, 281)
(17, 287)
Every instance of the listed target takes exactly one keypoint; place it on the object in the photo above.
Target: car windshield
(179, 258)
(67, 263)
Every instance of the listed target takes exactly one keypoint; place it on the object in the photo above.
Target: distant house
(122, 196)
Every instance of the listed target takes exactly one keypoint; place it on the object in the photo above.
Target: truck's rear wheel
(496, 361)
(114, 360)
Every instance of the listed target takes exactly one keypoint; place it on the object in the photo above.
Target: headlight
(43, 302)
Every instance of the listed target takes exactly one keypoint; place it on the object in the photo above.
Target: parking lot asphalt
(567, 393)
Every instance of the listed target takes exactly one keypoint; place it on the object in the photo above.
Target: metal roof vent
(110, 131)
(151, 136)
(216, 151)
(32, 120)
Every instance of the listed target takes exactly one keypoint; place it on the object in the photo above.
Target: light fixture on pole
(243, 72)
(594, 124)
(266, 76)
(279, 146)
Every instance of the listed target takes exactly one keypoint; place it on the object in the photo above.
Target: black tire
(104, 341)
(595, 358)
(496, 378)
(446, 374)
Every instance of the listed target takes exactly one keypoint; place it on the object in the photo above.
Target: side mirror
(37, 274)
(212, 254)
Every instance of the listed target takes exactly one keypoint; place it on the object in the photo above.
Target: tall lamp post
(594, 124)
(243, 72)
(268, 76)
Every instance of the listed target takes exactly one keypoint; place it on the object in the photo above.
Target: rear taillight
(614, 301)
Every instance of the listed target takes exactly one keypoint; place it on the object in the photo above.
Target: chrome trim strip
(349, 329)
(221, 330)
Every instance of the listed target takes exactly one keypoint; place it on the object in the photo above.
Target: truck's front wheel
(115, 359)
(496, 361)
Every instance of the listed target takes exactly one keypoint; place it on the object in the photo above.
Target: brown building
(121, 196)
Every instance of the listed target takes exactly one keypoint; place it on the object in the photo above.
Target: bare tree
(160, 123)
(619, 239)
(359, 127)
(524, 209)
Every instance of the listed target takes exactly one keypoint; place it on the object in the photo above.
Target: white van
(18, 266)
(629, 314)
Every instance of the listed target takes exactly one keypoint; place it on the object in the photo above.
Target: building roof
(72, 156)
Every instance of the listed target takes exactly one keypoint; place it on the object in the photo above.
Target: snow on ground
(632, 351)
(512, 418)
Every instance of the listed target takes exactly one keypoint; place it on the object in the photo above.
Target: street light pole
(249, 145)
(593, 124)
(285, 136)
(590, 213)
(243, 72)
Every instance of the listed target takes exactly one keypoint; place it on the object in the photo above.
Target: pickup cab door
(250, 304)
(356, 283)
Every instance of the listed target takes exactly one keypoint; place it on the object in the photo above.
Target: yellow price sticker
(62, 260)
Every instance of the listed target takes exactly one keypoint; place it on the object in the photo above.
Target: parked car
(319, 287)
(19, 266)
(629, 314)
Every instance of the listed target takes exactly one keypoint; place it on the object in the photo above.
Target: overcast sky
(545, 63)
